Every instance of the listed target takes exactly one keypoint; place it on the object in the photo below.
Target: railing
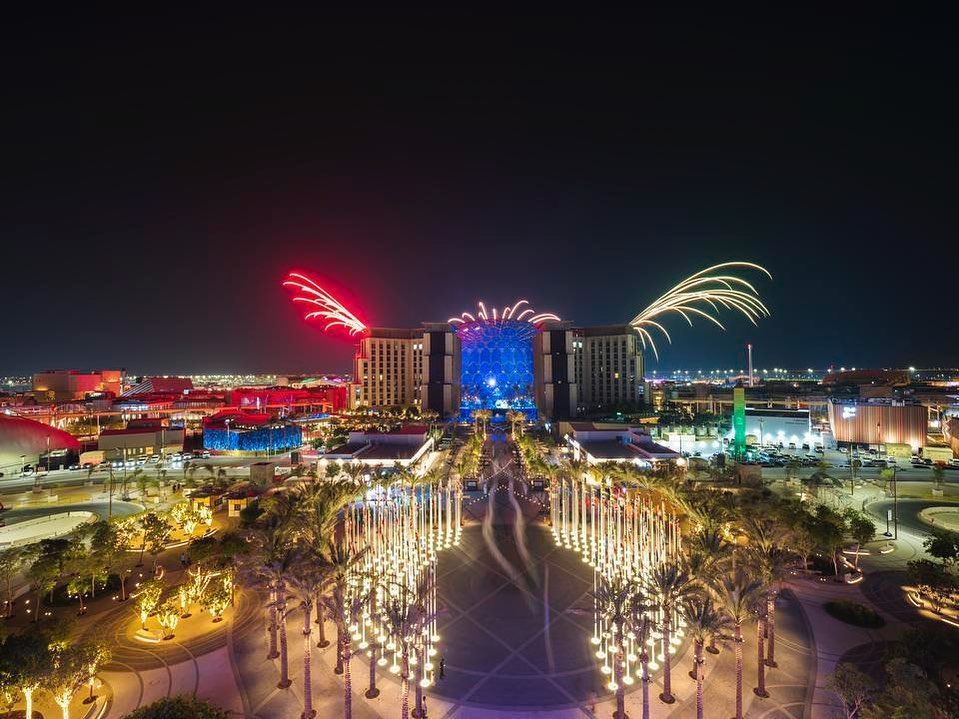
(41, 520)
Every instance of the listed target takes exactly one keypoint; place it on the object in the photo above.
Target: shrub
(854, 613)
(179, 707)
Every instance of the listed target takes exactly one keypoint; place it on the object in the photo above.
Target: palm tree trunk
(760, 689)
(620, 712)
(372, 692)
(321, 621)
(418, 711)
(281, 621)
(644, 661)
(28, 698)
(308, 711)
(667, 695)
(771, 630)
(347, 682)
(340, 641)
(271, 623)
(739, 670)
(405, 687)
(699, 680)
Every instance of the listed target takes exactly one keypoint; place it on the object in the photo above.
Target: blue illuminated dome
(497, 358)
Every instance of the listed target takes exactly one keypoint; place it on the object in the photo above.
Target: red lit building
(328, 398)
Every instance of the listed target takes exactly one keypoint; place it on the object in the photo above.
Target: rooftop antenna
(749, 353)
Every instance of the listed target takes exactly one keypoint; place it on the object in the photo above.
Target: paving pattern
(514, 630)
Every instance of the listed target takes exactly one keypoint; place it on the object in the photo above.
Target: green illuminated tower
(739, 420)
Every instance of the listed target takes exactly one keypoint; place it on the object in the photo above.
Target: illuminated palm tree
(321, 506)
(668, 584)
(708, 558)
(740, 593)
(344, 606)
(481, 418)
(273, 556)
(621, 602)
(407, 615)
(767, 540)
(307, 578)
(704, 621)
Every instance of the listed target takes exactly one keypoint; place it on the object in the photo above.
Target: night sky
(162, 174)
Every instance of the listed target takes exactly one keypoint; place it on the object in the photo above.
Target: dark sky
(161, 175)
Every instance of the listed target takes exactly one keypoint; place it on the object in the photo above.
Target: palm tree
(704, 621)
(759, 610)
(307, 578)
(344, 606)
(621, 602)
(273, 557)
(323, 504)
(407, 615)
(740, 592)
(774, 567)
(708, 558)
(642, 630)
(668, 584)
(481, 419)
(766, 539)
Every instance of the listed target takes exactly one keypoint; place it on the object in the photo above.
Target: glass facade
(497, 367)
(262, 439)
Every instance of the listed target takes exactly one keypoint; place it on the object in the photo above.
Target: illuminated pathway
(510, 640)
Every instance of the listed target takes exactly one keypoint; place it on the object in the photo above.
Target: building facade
(879, 422)
(554, 371)
(70, 384)
(609, 368)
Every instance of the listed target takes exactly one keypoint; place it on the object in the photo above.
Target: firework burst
(703, 294)
(328, 307)
(516, 312)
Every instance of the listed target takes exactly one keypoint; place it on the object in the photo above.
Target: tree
(273, 554)
(109, 543)
(148, 598)
(861, 528)
(704, 621)
(156, 533)
(186, 516)
(307, 578)
(168, 617)
(828, 530)
(407, 615)
(69, 670)
(943, 545)
(12, 562)
(853, 687)
(667, 585)
(43, 575)
(740, 592)
(216, 598)
(621, 602)
(932, 580)
(24, 663)
(179, 707)
(343, 606)
(907, 694)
